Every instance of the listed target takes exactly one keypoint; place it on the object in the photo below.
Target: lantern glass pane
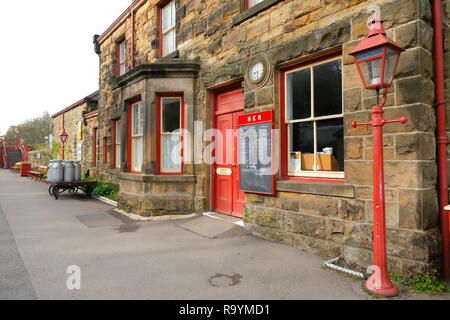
(371, 71)
(391, 62)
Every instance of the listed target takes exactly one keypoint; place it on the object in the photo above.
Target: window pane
(330, 145)
(302, 146)
(328, 89)
(118, 131)
(299, 94)
(137, 153)
(171, 115)
(171, 152)
(252, 3)
(118, 156)
(138, 119)
(122, 52)
(169, 43)
(167, 17)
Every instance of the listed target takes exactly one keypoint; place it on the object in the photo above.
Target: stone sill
(253, 11)
(317, 188)
(156, 178)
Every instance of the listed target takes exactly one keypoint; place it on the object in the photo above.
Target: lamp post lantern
(63, 136)
(376, 58)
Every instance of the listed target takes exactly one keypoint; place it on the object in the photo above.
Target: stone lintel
(317, 188)
(167, 68)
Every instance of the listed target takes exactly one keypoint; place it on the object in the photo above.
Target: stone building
(170, 70)
(73, 120)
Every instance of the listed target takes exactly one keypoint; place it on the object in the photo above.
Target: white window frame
(171, 29)
(122, 58)
(118, 143)
(164, 134)
(311, 173)
(136, 136)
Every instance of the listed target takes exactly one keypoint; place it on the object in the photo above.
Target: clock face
(257, 71)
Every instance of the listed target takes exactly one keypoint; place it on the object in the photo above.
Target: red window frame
(162, 5)
(284, 126)
(159, 97)
(94, 148)
(130, 134)
(119, 57)
(115, 164)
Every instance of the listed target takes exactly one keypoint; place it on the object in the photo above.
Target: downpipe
(442, 140)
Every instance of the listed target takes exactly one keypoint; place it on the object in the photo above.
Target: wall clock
(258, 72)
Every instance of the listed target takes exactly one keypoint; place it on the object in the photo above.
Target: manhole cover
(220, 280)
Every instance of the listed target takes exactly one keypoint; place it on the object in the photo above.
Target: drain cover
(220, 280)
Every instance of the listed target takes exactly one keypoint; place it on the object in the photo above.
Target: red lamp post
(377, 58)
(63, 137)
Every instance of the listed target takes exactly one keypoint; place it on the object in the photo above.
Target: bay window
(170, 137)
(136, 154)
(168, 32)
(313, 120)
(117, 143)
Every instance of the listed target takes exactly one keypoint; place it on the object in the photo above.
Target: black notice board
(256, 157)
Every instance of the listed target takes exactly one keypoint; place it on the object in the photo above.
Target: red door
(228, 199)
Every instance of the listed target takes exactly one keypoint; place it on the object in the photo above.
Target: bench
(15, 168)
(39, 174)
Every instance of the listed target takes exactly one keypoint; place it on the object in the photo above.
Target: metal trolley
(56, 188)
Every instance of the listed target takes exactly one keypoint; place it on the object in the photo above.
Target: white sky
(47, 56)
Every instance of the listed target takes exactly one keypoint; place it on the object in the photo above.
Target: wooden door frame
(215, 93)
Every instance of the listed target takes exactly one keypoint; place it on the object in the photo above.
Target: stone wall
(71, 120)
(330, 219)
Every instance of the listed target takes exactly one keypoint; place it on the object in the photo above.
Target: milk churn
(51, 170)
(58, 171)
(69, 171)
(77, 171)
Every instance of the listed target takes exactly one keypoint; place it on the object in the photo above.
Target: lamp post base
(386, 292)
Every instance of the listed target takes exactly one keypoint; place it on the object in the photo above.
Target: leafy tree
(33, 131)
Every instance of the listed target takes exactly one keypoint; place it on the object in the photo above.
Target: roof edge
(88, 98)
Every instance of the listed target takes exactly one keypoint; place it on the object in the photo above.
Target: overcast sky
(47, 56)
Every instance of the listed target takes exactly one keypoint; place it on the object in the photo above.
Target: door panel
(227, 198)
(223, 182)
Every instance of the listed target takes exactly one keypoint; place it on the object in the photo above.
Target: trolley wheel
(88, 191)
(50, 190)
(56, 193)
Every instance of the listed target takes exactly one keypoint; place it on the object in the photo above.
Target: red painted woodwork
(227, 197)
(283, 126)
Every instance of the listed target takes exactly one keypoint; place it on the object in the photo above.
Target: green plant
(107, 190)
(427, 282)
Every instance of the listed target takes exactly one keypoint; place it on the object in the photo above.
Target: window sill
(253, 11)
(172, 55)
(317, 188)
